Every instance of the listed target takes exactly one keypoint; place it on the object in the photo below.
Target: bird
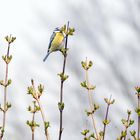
(57, 41)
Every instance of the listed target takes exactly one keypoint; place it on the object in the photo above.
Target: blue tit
(56, 42)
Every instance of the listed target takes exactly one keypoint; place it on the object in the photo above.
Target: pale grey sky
(107, 32)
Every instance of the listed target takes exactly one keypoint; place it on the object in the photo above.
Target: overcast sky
(107, 32)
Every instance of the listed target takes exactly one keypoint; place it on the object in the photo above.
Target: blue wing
(51, 39)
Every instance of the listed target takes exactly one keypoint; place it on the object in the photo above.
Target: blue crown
(57, 29)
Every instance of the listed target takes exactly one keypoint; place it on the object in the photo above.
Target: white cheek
(63, 42)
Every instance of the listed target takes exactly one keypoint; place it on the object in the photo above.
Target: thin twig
(43, 118)
(5, 95)
(106, 117)
(128, 118)
(135, 138)
(91, 106)
(138, 117)
(61, 87)
(33, 120)
(42, 113)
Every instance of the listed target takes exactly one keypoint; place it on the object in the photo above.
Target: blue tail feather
(46, 57)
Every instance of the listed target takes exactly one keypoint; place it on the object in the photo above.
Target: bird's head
(58, 30)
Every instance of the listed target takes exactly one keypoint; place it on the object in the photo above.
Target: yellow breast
(57, 41)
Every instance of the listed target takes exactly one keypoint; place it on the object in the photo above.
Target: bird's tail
(46, 57)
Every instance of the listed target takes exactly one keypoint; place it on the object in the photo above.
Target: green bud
(61, 106)
(1, 109)
(89, 112)
(106, 122)
(41, 88)
(83, 84)
(63, 28)
(37, 125)
(30, 90)
(131, 122)
(71, 31)
(37, 108)
(101, 133)
(28, 123)
(4, 57)
(96, 107)
(112, 102)
(32, 124)
(92, 135)
(124, 122)
(7, 59)
(8, 105)
(88, 87)
(85, 132)
(64, 51)
(137, 89)
(90, 64)
(137, 110)
(10, 39)
(108, 101)
(129, 112)
(133, 133)
(2, 130)
(2, 83)
(83, 64)
(29, 108)
(91, 87)
(86, 64)
(63, 77)
(47, 125)
(123, 133)
(9, 82)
